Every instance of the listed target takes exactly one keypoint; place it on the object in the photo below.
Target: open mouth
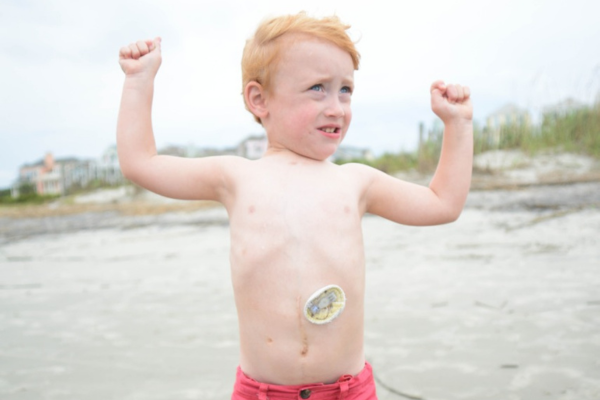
(330, 131)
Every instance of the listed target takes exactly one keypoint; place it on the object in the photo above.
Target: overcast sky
(60, 81)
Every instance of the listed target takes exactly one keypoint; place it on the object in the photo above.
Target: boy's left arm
(443, 200)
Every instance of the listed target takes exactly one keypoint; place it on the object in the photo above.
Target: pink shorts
(348, 387)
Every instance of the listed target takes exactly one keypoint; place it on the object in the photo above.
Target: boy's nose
(335, 108)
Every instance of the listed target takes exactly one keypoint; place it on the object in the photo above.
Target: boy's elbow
(128, 174)
(129, 171)
(446, 214)
(134, 175)
(133, 167)
(125, 167)
(452, 215)
(450, 209)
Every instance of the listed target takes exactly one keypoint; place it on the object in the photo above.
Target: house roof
(62, 160)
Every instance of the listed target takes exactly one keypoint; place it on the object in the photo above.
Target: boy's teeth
(329, 130)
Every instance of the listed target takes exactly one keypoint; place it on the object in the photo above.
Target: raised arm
(444, 199)
(200, 178)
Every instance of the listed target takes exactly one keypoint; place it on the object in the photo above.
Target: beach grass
(577, 132)
(27, 198)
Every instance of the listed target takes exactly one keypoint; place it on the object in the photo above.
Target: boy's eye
(346, 89)
(318, 87)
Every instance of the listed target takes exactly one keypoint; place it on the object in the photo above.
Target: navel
(304, 351)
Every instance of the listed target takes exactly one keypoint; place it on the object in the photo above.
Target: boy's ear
(256, 99)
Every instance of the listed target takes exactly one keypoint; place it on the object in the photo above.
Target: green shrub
(27, 198)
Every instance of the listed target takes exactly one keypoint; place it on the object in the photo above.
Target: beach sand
(502, 304)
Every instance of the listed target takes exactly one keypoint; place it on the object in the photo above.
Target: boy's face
(309, 100)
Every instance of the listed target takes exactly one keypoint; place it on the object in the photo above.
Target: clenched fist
(142, 58)
(452, 103)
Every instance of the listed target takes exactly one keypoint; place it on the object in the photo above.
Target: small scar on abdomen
(251, 209)
(269, 340)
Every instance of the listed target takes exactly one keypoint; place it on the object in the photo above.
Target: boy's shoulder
(359, 170)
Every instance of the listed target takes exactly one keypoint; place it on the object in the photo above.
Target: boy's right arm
(182, 178)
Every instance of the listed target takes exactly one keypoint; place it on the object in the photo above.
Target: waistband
(346, 387)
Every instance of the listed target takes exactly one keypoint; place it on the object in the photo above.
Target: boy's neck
(285, 153)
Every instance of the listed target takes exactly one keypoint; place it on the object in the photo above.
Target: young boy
(297, 256)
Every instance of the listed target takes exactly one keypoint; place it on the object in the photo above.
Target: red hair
(263, 51)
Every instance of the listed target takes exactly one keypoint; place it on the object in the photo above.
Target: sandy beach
(504, 304)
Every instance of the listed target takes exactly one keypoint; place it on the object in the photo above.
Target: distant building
(46, 176)
(31, 174)
(253, 147)
(73, 172)
(107, 167)
(349, 153)
(51, 176)
(191, 151)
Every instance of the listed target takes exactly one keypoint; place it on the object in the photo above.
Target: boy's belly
(281, 347)
(278, 260)
(278, 344)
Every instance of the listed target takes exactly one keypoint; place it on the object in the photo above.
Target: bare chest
(297, 200)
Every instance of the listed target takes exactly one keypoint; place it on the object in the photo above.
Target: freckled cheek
(306, 117)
